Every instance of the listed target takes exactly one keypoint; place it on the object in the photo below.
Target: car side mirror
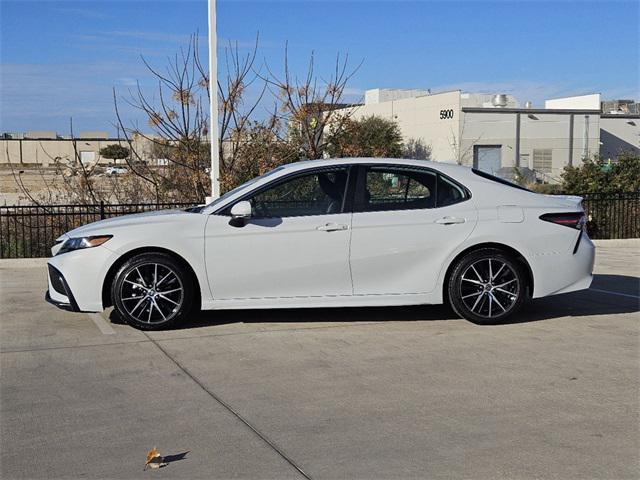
(240, 213)
(241, 210)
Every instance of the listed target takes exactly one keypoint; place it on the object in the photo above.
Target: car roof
(445, 167)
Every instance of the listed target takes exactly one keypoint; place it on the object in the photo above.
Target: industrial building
(494, 133)
(489, 131)
(45, 148)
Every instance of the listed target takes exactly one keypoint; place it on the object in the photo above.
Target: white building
(494, 133)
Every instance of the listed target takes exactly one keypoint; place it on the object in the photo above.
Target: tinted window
(390, 189)
(488, 176)
(319, 193)
(231, 192)
(449, 193)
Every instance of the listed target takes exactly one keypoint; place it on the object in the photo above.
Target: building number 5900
(446, 114)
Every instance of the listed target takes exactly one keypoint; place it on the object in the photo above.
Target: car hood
(104, 227)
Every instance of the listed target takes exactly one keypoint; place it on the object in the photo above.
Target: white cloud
(87, 13)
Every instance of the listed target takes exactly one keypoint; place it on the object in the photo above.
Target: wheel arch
(481, 246)
(111, 273)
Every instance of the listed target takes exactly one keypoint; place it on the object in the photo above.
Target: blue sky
(62, 59)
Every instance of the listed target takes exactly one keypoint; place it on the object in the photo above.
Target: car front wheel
(152, 291)
(487, 286)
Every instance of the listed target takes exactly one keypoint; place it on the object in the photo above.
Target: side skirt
(324, 302)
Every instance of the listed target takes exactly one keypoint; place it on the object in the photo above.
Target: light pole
(213, 103)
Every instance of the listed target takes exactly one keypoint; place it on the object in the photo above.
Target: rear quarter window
(502, 181)
(449, 192)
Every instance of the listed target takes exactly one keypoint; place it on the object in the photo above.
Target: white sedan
(115, 170)
(332, 233)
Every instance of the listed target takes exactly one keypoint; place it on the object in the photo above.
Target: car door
(296, 243)
(406, 222)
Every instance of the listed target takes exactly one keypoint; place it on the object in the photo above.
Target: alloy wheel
(152, 293)
(489, 288)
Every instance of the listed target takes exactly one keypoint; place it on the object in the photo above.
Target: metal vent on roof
(499, 100)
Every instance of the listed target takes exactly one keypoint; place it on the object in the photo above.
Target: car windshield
(233, 191)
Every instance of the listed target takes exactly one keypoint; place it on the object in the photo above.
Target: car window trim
(358, 206)
(284, 178)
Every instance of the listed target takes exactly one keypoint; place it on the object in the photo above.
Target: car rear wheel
(152, 291)
(487, 286)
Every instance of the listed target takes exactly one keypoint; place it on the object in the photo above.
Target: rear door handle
(450, 220)
(332, 227)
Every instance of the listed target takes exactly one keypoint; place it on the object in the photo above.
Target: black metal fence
(30, 231)
(612, 215)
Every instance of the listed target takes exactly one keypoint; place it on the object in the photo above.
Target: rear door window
(391, 189)
(388, 188)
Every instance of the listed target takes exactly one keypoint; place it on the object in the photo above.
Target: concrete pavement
(326, 393)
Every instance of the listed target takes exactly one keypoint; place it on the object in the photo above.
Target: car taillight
(572, 219)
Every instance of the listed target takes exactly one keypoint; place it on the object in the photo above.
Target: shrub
(599, 175)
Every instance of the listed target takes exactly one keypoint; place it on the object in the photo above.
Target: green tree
(598, 175)
(367, 137)
(115, 152)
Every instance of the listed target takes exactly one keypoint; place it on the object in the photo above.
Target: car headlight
(78, 243)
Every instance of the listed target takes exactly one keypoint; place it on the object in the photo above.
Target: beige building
(619, 132)
(44, 148)
(494, 133)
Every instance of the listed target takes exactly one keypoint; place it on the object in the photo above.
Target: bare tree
(180, 123)
(416, 148)
(461, 154)
(308, 105)
(170, 155)
(176, 116)
(236, 110)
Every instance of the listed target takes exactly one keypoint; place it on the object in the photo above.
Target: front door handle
(450, 220)
(332, 227)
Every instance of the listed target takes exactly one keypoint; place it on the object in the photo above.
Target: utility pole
(213, 103)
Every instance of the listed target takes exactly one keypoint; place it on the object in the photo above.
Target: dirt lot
(43, 184)
(10, 191)
(342, 393)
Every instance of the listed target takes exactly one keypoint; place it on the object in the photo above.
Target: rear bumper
(567, 272)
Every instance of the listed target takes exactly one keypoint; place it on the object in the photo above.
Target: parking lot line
(102, 324)
(615, 293)
(231, 410)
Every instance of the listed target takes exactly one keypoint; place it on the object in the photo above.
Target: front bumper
(59, 293)
(76, 278)
(61, 305)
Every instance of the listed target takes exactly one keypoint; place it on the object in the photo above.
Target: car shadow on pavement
(610, 294)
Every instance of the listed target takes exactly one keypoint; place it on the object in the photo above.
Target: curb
(7, 263)
(622, 242)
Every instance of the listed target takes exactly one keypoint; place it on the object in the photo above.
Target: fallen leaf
(154, 459)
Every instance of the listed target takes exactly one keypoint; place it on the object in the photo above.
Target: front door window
(319, 193)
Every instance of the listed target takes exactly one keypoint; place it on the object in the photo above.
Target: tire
(480, 299)
(152, 291)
